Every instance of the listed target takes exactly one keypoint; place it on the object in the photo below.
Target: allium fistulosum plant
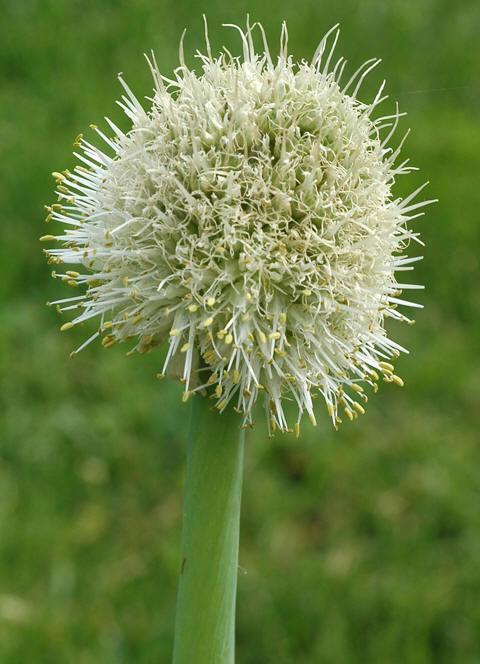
(247, 221)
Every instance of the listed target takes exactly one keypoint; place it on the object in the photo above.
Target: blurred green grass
(361, 545)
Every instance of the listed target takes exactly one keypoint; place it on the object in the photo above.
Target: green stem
(205, 618)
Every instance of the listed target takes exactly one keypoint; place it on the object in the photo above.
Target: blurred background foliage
(357, 546)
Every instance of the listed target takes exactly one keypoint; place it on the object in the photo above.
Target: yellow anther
(72, 273)
(357, 388)
(192, 308)
(248, 297)
(262, 336)
(296, 429)
(56, 207)
(218, 391)
(312, 419)
(174, 332)
(207, 322)
(108, 341)
(236, 376)
(210, 301)
(136, 319)
(359, 408)
(185, 396)
(78, 141)
(212, 378)
(185, 347)
(72, 282)
(229, 339)
(93, 126)
(386, 366)
(209, 355)
(307, 292)
(274, 335)
(67, 326)
(282, 318)
(349, 413)
(58, 176)
(374, 374)
(48, 238)
(330, 409)
(397, 380)
(107, 325)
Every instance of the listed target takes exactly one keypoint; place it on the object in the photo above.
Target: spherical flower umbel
(246, 219)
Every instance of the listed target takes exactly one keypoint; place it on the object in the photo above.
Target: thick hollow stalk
(205, 617)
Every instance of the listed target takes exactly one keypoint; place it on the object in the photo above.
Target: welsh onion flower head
(247, 220)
